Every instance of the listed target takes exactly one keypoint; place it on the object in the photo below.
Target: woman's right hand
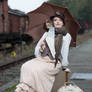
(42, 46)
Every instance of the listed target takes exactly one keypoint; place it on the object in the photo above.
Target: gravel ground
(11, 73)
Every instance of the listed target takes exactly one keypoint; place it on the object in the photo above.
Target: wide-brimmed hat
(60, 15)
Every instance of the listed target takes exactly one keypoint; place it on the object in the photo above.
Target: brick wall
(17, 23)
(1, 22)
(5, 12)
(3, 19)
(14, 23)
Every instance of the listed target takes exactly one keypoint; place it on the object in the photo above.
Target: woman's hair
(47, 24)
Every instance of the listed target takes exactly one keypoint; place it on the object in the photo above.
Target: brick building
(18, 21)
(12, 20)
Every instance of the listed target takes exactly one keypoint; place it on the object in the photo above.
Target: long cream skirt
(38, 75)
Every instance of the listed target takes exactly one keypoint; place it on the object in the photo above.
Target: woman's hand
(42, 46)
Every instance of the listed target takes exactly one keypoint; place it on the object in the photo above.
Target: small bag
(71, 87)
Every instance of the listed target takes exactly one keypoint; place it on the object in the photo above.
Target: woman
(38, 74)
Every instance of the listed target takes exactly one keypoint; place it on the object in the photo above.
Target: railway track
(10, 71)
(13, 63)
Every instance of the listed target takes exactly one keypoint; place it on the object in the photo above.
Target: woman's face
(57, 22)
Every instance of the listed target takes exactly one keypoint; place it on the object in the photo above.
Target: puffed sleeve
(65, 49)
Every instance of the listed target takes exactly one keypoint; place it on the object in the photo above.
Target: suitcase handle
(67, 71)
